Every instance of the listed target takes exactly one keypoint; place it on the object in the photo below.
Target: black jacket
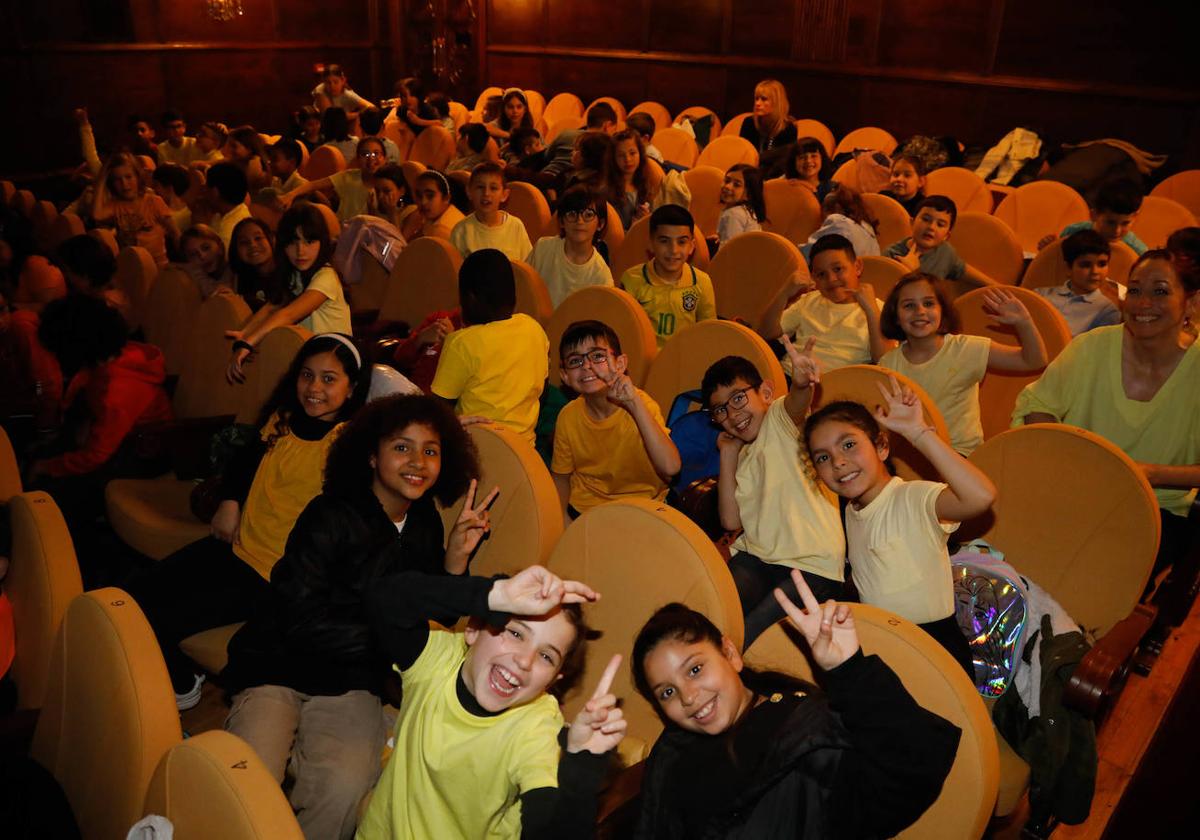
(313, 634)
(862, 760)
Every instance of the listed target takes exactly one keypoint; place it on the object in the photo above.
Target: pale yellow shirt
(185, 155)
(562, 276)
(509, 237)
(224, 225)
(897, 549)
(353, 195)
(839, 328)
(334, 314)
(788, 516)
(951, 378)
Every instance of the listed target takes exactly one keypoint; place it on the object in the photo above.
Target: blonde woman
(771, 126)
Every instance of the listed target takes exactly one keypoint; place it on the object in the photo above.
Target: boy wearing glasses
(611, 442)
(766, 487)
(570, 260)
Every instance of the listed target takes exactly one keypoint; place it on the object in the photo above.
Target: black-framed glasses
(587, 214)
(737, 399)
(598, 356)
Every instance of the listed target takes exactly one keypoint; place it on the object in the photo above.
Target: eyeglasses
(737, 399)
(585, 215)
(598, 356)
(371, 155)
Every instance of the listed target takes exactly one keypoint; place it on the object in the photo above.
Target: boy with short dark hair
(644, 124)
(1081, 300)
(177, 147)
(674, 293)
(227, 186)
(370, 124)
(286, 158)
(171, 182)
(1113, 211)
(610, 442)
(489, 226)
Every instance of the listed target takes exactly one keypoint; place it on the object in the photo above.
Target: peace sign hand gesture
(536, 590)
(600, 725)
(469, 529)
(828, 628)
(805, 370)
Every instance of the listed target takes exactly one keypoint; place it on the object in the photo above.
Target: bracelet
(243, 345)
(918, 437)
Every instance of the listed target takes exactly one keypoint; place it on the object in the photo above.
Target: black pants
(201, 586)
(756, 581)
(1178, 549)
(949, 635)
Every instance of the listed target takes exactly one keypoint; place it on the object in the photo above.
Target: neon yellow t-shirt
(671, 305)
(453, 774)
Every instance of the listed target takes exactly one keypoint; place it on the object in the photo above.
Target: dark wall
(974, 70)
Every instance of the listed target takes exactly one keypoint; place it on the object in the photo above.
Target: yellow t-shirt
(606, 459)
(496, 370)
(1083, 388)
(671, 304)
(334, 314)
(839, 328)
(788, 516)
(509, 237)
(951, 378)
(288, 478)
(453, 774)
(898, 555)
(353, 196)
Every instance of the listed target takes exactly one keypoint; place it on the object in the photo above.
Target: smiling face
(516, 664)
(406, 464)
(905, 181)
(123, 182)
(371, 157)
(1088, 272)
(918, 310)
(487, 194)
(849, 462)
(204, 253)
(930, 229)
(1155, 301)
(323, 385)
(586, 379)
(672, 246)
(253, 247)
(733, 190)
(628, 158)
(302, 253)
(835, 274)
(697, 685)
(742, 421)
(430, 202)
(808, 164)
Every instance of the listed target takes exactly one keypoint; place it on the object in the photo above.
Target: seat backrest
(868, 137)
(136, 273)
(272, 359)
(424, 279)
(526, 202)
(614, 231)
(484, 95)
(634, 249)
(107, 238)
(562, 124)
(818, 131)
(792, 210)
(1089, 536)
(66, 226)
(656, 110)
(883, 273)
(533, 298)
(733, 128)
(322, 162)
(412, 168)
(677, 146)
(704, 182)
(724, 152)
(10, 471)
(686, 567)
(749, 271)
(682, 361)
(1183, 187)
(44, 215)
(23, 202)
(617, 309)
(433, 147)
(699, 112)
(999, 389)
(215, 785)
(986, 243)
(110, 712)
(615, 103)
(562, 105)
(367, 294)
(168, 314)
(967, 190)
(847, 174)
(526, 518)
(42, 579)
(8, 191)
(938, 684)
(1049, 268)
(861, 383)
(460, 115)
(894, 221)
(202, 390)
(537, 104)
(1158, 218)
(399, 133)
(266, 214)
(1039, 209)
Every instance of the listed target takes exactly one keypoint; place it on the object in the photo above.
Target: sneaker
(190, 699)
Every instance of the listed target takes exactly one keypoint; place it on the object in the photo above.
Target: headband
(436, 174)
(349, 344)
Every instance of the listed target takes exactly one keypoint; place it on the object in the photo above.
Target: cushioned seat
(424, 280)
(1183, 187)
(677, 146)
(322, 162)
(1158, 218)
(616, 106)
(656, 110)
(868, 137)
(169, 310)
(704, 182)
(210, 648)
(66, 226)
(153, 516)
(894, 221)
(527, 203)
(883, 273)
(533, 298)
(818, 131)
(482, 100)
(434, 147)
(698, 112)
(792, 210)
(989, 245)
(733, 128)
(562, 105)
(1039, 209)
(749, 271)
(618, 310)
(724, 152)
(10, 472)
(136, 273)
(561, 124)
(967, 190)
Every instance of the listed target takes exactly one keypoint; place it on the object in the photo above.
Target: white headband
(349, 344)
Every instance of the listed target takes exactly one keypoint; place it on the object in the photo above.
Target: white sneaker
(190, 699)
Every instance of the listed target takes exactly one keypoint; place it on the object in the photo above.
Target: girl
(353, 185)
(204, 259)
(306, 675)
(920, 315)
(247, 149)
(844, 213)
(742, 200)
(808, 165)
(252, 260)
(436, 214)
(592, 162)
(907, 184)
(308, 128)
(514, 113)
(306, 292)
(210, 139)
(223, 577)
(391, 199)
(765, 755)
(570, 260)
(896, 530)
(124, 202)
(411, 107)
(335, 128)
(333, 92)
(633, 182)
(771, 127)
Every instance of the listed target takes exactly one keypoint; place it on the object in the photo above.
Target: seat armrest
(1101, 673)
(616, 814)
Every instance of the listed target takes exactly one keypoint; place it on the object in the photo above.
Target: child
(353, 186)
(333, 92)
(252, 261)
(411, 107)
(600, 117)
(305, 674)
(843, 316)
(896, 530)
(40, 382)
(124, 203)
(478, 733)
(177, 147)
(335, 128)
(141, 136)
(370, 124)
(224, 577)
(928, 250)
(171, 183)
(920, 315)
(526, 150)
(1081, 300)
(248, 152)
(570, 261)
(89, 267)
(210, 139)
(743, 207)
(1114, 210)
(592, 163)
(674, 293)
(227, 186)
(788, 520)
(418, 355)
(496, 366)
(308, 128)
(844, 213)
(907, 184)
(390, 200)
(306, 292)
(610, 442)
(436, 214)
(644, 125)
(474, 147)
(286, 158)
(489, 226)
(752, 754)
(204, 258)
(808, 166)
(514, 114)
(632, 182)
(440, 104)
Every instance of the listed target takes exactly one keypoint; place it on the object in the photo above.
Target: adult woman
(771, 127)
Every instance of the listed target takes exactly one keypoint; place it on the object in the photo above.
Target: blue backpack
(695, 437)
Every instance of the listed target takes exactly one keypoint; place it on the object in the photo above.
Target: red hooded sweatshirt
(121, 394)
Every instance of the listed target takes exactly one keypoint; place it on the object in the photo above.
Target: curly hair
(348, 470)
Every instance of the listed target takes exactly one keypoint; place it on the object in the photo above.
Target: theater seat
(210, 648)
(818, 131)
(614, 231)
(537, 103)
(1183, 187)
(562, 105)
(169, 310)
(894, 221)
(424, 280)
(533, 298)
(698, 112)
(792, 210)
(733, 128)
(656, 110)
(618, 310)
(704, 182)
(66, 226)
(867, 138)
(1039, 209)
(677, 146)
(1049, 269)
(136, 273)
(749, 271)
(10, 471)
(724, 152)
(635, 249)
(482, 100)
(616, 106)
(526, 202)
(433, 147)
(987, 244)
(967, 190)
(883, 273)
(561, 124)
(1158, 218)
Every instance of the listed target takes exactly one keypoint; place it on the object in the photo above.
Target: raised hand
(472, 523)
(910, 259)
(600, 725)
(436, 332)
(1005, 307)
(828, 628)
(621, 389)
(731, 444)
(864, 295)
(798, 284)
(535, 591)
(902, 413)
(805, 370)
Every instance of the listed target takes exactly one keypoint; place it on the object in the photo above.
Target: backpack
(695, 437)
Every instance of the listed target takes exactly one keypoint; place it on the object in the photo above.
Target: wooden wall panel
(685, 25)
(522, 22)
(935, 34)
(764, 28)
(596, 24)
(187, 22)
(516, 71)
(589, 78)
(344, 20)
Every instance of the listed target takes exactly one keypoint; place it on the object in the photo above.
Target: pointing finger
(606, 679)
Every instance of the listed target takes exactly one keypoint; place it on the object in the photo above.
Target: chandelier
(223, 10)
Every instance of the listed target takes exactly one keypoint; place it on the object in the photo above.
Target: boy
(674, 293)
(210, 139)
(843, 316)
(177, 147)
(489, 226)
(644, 125)
(227, 187)
(928, 249)
(286, 158)
(1116, 206)
(496, 365)
(370, 124)
(789, 520)
(1081, 299)
(353, 186)
(611, 441)
(171, 183)
(474, 146)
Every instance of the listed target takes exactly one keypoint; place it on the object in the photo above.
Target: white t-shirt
(735, 220)
(562, 276)
(334, 314)
(839, 328)
(471, 235)
(224, 225)
(347, 99)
